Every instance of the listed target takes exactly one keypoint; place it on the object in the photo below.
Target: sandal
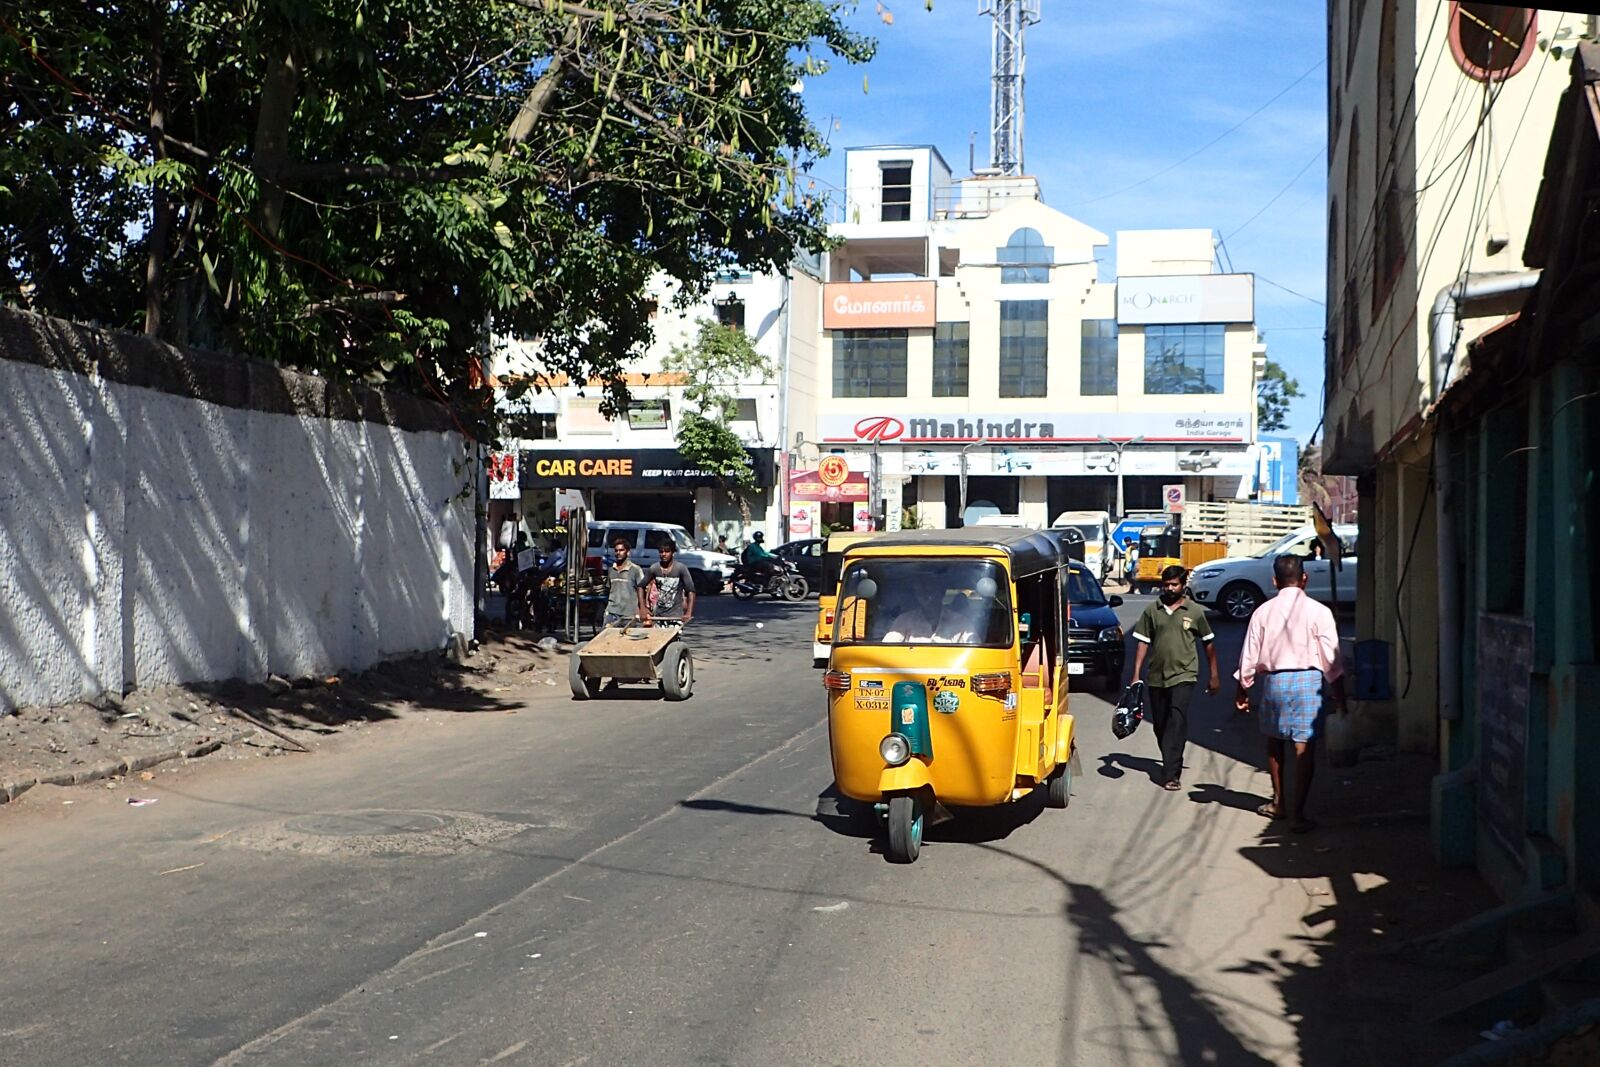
(1172, 785)
(1269, 811)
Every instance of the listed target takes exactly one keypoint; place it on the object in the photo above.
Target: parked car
(805, 554)
(1237, 585)
(1095, 645)
(710, 570)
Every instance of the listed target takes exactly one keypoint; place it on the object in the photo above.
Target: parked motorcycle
(785, 583)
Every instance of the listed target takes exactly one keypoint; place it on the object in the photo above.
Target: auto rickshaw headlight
(894, 749)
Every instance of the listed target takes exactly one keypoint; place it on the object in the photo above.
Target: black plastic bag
(1129, 712)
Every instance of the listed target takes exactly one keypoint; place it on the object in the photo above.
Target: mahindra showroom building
(972, 361)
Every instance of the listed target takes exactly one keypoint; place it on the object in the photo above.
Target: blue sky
(1115, 94)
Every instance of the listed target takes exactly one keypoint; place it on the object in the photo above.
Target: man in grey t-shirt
(623, 580)
(674, 588)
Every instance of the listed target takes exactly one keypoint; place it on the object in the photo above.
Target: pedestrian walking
(623, 603)
(1169, 634)
(1291, 651)
(673, 586)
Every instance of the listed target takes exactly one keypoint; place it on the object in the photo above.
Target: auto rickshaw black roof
(1031, 551)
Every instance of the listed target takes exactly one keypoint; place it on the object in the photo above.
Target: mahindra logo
(879, 428)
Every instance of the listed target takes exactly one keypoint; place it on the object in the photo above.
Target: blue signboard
(1128, 530)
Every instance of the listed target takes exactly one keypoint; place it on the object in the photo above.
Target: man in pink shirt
(1290, 650)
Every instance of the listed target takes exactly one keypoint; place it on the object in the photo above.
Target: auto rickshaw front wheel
(907, 815)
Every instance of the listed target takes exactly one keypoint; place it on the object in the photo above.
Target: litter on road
(137, 802)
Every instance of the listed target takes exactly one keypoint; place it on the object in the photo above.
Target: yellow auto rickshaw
(947, 682)
(828, 591)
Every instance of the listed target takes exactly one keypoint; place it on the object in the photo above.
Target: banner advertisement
(802, 521)
(503, 483)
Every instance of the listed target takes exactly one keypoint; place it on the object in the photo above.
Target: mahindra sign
(877, 305)
(1033, 428)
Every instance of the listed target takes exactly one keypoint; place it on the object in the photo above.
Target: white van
(1013, 521)
(1096, 529)
(710, 570)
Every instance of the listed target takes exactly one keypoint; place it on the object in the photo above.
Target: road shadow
(1118, 764)
(853, 818)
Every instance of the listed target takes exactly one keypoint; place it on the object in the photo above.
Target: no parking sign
(1172, 496)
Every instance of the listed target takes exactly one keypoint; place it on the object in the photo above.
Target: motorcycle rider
(763, 565)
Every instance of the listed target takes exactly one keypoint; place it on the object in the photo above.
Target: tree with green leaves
(369, 190)
(1273, 393)
(720, 359)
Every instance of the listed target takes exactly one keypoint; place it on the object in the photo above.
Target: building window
(1182, 359)
(869, 363)
(1491, 41)
(1099, 372)
(529, 425)
(746, 410)
(1024, 339)
(1031, 255)
(730, 312)
(896, 192)
(951, 348)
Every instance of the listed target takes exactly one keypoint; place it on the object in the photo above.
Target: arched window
(1352, 194)
(1026, 249)
(1491, 41)
(1331, 340)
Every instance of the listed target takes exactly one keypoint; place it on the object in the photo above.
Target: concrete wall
(171, 517)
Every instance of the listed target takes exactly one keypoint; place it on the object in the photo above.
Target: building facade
(973, 360)
(1435, 114)
(628, 466)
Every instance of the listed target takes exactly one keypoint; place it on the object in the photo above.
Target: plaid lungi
(1289, 704)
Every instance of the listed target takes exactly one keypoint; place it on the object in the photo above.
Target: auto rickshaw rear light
(991, 683)
(827, 617)
(838, 681)
(894, 749)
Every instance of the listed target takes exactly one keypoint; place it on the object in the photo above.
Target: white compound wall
(224, 519)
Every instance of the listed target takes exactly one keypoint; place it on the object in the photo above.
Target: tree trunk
(161, 208)
(278, 92)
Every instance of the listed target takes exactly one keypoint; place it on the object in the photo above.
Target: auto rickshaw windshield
(924, 601)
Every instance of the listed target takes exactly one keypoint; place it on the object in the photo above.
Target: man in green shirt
(1166, 634)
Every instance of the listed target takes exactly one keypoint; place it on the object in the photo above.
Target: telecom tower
(1011, 18)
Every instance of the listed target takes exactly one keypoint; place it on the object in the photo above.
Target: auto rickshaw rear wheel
(906, 819)
(1058, 788)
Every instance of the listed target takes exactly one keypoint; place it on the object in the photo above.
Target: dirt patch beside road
(115, 738)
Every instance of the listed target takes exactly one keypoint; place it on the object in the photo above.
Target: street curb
(12, 789)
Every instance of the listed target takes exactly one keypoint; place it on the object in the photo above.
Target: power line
(1280, 193)
(1231, 129)
(1291, 292)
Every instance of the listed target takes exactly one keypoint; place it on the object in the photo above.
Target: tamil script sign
(875, 305)
(816, 485)
(1033, 428)
(1167, 300)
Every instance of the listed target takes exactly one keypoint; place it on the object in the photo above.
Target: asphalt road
(631, 881)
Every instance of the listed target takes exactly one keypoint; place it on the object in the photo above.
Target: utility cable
(1219, 137)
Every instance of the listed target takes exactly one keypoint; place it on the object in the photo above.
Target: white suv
(710, 570)
(1237, 585)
